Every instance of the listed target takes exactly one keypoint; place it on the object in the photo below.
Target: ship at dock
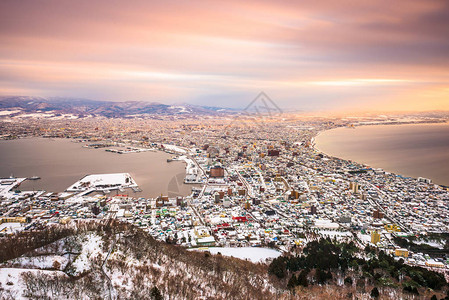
(172, 159)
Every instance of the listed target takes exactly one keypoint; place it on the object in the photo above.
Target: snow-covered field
(326, 224)
(253, 254)
(41, 262)
(12, 283)
(90, 250)
(50, 260)
(38, 115)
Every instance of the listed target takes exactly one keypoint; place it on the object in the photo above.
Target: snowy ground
(12, 283)
(335, 234)
(174, 148)
(91, 248)
(102, 181)
(192, 169)
(41, 262)
(11, 227)
(8, 112)
(5, 189)
(39, 115)
(436, 244)
(190, 165)
(364, 237)
(326, 224)
(50, 257)
(253, 254)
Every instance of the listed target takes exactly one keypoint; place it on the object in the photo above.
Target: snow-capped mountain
(16, 105)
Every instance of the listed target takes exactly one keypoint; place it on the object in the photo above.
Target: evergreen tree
(348, 280)
(302, 278)
(375, 292)
(155, 294)
(278, 267)
(292, 282)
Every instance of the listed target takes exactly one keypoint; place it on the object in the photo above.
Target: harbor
(71, 161)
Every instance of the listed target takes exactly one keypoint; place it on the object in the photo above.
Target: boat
(7, 181)
(34, 178)
(172, 159)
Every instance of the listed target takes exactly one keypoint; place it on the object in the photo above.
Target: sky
(306, 55)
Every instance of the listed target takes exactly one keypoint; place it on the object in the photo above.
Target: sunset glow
(331, 55)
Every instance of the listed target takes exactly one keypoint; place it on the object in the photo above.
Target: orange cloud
(325, 55)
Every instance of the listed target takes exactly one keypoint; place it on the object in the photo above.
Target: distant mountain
(110, 109)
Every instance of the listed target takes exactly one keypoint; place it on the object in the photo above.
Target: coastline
(152, 183)
(388, 169)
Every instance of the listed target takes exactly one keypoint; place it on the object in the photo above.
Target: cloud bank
(331, 55)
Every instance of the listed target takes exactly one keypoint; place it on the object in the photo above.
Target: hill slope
(84, 107)
(124, 262)
(113, 260)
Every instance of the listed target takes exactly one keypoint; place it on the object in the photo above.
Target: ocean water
(61, 162)
(414, 150)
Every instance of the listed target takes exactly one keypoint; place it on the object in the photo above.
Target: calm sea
(416, 150)
(61, 162)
